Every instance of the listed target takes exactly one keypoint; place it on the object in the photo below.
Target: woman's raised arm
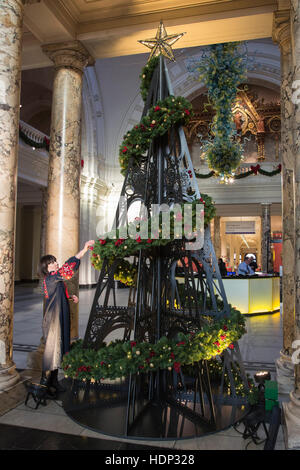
(85, 249)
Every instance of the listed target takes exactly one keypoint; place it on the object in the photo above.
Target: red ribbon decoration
(255, 169)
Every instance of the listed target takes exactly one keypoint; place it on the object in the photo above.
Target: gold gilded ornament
(161, 44)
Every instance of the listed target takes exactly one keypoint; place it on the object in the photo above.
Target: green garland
(205, 175)
(254, 170)
(160, 118)
(222, 71)
(146, 76)
(119, 359)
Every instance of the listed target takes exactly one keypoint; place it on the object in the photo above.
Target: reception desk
(253, 295)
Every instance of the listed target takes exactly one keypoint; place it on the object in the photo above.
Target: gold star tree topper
(162, 43)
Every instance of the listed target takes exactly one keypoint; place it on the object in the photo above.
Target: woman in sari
(56, 321)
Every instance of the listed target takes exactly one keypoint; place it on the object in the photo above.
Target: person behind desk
(244, 269)
(222, 267)
(253, 264)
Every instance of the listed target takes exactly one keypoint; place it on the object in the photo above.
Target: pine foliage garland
(119, 358)
(160, 118)
(254, 170)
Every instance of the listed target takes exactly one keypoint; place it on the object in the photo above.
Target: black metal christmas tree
(174, 401)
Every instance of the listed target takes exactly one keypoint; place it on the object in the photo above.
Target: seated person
(244, 269)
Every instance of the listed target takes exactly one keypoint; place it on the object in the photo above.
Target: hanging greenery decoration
(222, 70)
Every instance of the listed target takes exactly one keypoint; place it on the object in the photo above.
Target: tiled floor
(51, 428)
(21, 438)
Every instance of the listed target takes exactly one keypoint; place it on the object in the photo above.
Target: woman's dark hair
(44, 262)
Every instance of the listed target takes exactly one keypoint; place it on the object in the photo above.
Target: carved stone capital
(69, 54)
(282, 30)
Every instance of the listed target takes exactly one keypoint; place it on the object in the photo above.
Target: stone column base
(285, 372)
(291, 414)
(8, 377)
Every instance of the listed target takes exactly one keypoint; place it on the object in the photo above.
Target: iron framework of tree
(165, 176)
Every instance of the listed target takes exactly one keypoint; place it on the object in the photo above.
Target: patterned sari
(56, 321)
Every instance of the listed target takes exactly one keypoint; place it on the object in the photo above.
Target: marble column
(63, 206)
(292, 408)
(11, 17)
(266, 255)
(217, 236)
(284, 365)
(258, 240)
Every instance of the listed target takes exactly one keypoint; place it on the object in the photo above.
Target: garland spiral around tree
(146, 76)
(160, 118)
